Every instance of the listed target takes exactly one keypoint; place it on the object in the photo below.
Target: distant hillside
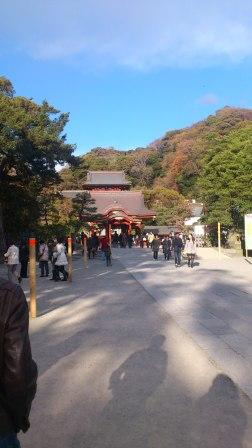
(184, 150)
(174, 161)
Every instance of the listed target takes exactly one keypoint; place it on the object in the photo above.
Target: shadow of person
(219, 418)
(123, 421)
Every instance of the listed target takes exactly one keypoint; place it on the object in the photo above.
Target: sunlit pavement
(117, 372)
(212, 302)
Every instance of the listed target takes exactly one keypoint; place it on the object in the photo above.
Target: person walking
(150, 238)
(18, 371)
(60, 261)
(177, 247)
(12, 261)
(24, 258)
(130, 240)
(167, 244)
(52, 249)
(190, 250)
(124, 240)
(115, 239)
(155, 247)
(103, 245)
(90, 247)
(108, 253)
(95, 244)
(43, 259)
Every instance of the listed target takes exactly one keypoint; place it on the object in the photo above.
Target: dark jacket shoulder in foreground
(18, 372)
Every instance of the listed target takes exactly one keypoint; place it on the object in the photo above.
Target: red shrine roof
(131, 202)
(106, 178)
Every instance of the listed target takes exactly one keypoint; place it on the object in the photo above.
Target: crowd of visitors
(176, 245)
(96, 245)
(122, 240)
(52, 255)
(53, 252)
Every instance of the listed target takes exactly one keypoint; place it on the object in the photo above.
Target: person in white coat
(60, 261)
(190, 250)
(12, 261)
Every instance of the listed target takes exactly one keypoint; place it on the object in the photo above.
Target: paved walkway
(212, 303)
(115, 371)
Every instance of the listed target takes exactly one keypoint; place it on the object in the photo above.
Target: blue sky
(128, 71)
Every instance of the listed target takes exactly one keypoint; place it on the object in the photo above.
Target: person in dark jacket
(95, 244)
(130, 240)
(167, 244)
(18, 371)
(115, 239)
(23, 258)
(155, 247)
(90, 247)
(108, 254)
(177, 247)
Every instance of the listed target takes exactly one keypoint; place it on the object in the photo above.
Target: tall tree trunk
(2, 235)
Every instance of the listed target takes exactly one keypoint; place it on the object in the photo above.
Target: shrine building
(120, 209)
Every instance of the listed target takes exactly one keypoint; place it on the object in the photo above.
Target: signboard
(248, 231)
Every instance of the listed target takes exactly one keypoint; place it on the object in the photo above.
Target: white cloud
(136, 33)
(208, 99)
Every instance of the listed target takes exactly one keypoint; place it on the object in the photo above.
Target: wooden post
(85, 257)
(70, 260)
(219, 239)
(32, 277)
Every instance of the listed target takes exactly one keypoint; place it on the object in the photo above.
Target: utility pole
(219, 239)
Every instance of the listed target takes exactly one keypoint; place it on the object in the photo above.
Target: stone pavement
(212, 303)
(115, 371)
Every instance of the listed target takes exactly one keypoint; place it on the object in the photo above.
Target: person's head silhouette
(157, 342)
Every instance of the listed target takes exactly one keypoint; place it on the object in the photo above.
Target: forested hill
(185, 152)
(181, 158)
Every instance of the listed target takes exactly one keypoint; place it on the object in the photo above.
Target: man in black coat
(167, 245)
(24, 258)
(177, 247)
(18, 371)
(155, 247)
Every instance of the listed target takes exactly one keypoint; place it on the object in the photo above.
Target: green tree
(32, 144)
(49, 203)
(170, 206)
(74, 177)
(226, 179)
(83, 210)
